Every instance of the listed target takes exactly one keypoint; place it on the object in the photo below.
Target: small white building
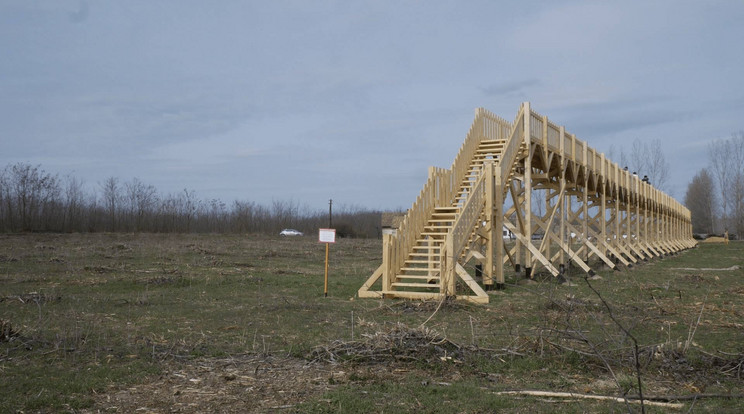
(391, 222)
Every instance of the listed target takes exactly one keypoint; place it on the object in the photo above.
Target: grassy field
(226, 323)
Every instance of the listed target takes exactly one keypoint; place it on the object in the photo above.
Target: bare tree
(719, 160)
(284, 213)
(188, 206)
(736, 149)
(657, 166)
(141, 202)
(31, 196)
(74, 203)
(34, 200)
(111, 197)
(638, 159)
(701, 200)
(727, 163)
(617, 155)
(648, 159)
(5, 202)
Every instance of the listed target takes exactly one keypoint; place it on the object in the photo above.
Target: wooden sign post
(326, 236)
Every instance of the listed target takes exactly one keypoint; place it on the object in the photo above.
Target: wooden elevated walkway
(592, 209)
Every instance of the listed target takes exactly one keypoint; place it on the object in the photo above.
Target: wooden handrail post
(527, 229)
(387, 275)
(492, 233)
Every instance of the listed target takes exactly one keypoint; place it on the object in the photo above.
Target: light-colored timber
(593, 209)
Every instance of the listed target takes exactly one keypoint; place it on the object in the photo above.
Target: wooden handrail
(443, 185)
(511, 148)
(469, 214)
(412, 225)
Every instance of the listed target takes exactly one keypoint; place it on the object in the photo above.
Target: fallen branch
(589, 397)
(694, 397)
(627, 332)
(734, 267)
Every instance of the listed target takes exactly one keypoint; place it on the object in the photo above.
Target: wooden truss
(562, 201)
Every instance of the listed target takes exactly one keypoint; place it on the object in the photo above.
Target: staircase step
(416, 285)
(427, 245)
(420, 268)
(426, 270)
(437, 228)
(422, 262)
(411, 295)
(426, 253)
(418, 277)
(429, 258)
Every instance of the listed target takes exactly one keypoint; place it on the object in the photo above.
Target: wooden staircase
(458, 214)
(421, 272)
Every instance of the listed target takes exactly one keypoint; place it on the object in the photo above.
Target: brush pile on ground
(6, 331)
(400, 343)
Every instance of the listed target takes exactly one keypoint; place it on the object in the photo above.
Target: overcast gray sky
(311, 100)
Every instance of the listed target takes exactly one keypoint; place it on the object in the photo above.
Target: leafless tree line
(715, 196)
(645, 159)
(33, 200)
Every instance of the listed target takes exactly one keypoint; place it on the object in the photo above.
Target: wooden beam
(528, 243)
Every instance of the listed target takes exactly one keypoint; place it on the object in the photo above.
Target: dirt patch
(99, 269)
(426, 306)
(32, 297)
(278, 383)
(572, 304)
(245, 383)
(7, 259)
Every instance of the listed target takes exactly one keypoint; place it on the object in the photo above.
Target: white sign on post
(327, 235)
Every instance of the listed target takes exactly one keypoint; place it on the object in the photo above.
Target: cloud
(81, 14)
(509, 87)
(215, 98)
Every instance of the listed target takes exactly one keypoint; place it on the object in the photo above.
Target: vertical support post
(569, 214)
(546, 157)
(527, 230)
(518, 208)
(550, 224)
(448, 273)
(654, 231)
(493, 232)
(637, 191)
(645, 215)
(325, 279)
(585, 206)
(330, 213)
(603, 207)
(498, 227)
(387, 272)
(627, 211)
(562, 211)
(616, 207)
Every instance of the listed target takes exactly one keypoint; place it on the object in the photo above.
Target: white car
(290, 232)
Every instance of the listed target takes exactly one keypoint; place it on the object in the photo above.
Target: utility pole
(330, 213)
